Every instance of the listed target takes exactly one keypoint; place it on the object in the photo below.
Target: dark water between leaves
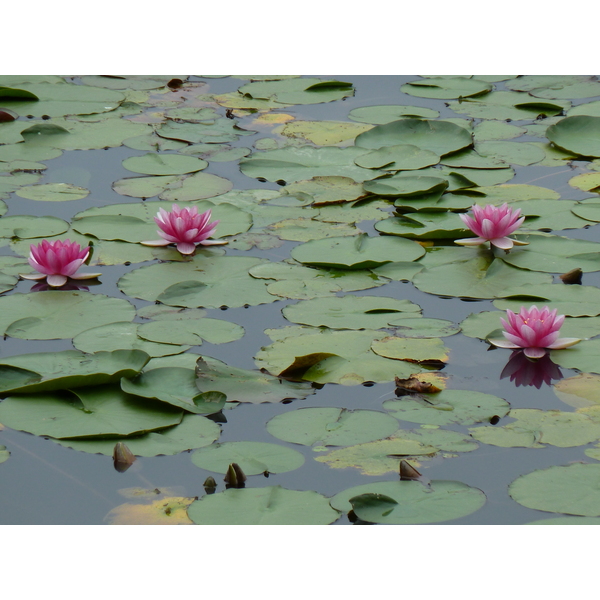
(45, 483)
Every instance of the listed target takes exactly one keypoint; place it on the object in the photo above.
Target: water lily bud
(572, 277)
(407, 471)
(235, 477)
(210, 485)
(123, 457)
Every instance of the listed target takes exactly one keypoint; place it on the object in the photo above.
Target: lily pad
(331, 426)
(570, 490)
(585, 356)
(69, 369)
(194, 431)
(440, 137)
(405, 185)
(360, 252)
(534, 428)
(394, 158)
(59, 314)
(386, 113)
(272, 505)
(409, 502)
(305, 162)
(207, 282)
(429, 350)
(446, 87)
(243, 385)
(101, 411)
(214, 331)
(579, 134)
(252, 457)
(350, 312)
(164, 164)
(332, 357)
(122, 335)
(175, 386)
(52, 192)
(448, 406)
(28, 227)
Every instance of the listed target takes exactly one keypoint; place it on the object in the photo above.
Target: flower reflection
(524, 371)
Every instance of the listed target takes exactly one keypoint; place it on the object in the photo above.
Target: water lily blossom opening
(58, 261)
(186, 228)
(534, 331)
(492, 224)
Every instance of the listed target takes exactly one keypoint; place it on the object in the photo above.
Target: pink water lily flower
(534, 331)
(57, 261)
(492, 224)
(184, 227)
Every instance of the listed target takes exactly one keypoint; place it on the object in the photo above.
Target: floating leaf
(446, 87)
(584, 357)
(579, 391)
(395, 158)
(101, 411)
(214, 331)
(59, 314)
(579, 134)
(272, 505)
(570, 490)
(440, 137)
(331, 426)
(332, 357)
(28, 227)
(52, 192)
(533, 428)
(415, 503)
(168, 510)
(405, 185)
(194, 431)
(69, 369)
(242, 385)
(448, 406)
(360, 252)
(199, 282)
(164, 164)
(322, 133)
(412, 350)
(252, 457)
(379, 115)
(350, 312)
(176, 386)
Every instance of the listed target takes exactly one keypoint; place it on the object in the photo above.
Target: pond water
(44, 482)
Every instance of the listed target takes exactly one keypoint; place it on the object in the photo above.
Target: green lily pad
(305, 162)
(304, 230)
(175, 386)
(272, 505)
(446, 87)
(588, 209)
(554, 254)
(378, 457)
(242, 385)
(194, 431)
(61, 99)
(324, 190)
(332, 357)
(379, 115)
(395, 158)
(579, 391)
(550, 214)
(59, 314)
(479, 277)
(199, 282)
(570, 489)
(331, 426)
(98, 411)
(164, 164)
(69, 369)
(214, 331)
(579, 134)
(567, 521)
(496, 130)
(28, 227)
(252, 457)
(440, 137)
(299, 282)
(585, 356)
(52, 192)
(573, 301)
(405, 185)
(4, 454)
(216, 131)
(423, 225)
(534, 428)
(448, 406)
(513, 153)
(360, 252)
(410, 502)
(322, 133)
(350, 312)
(125, 336)
(410, 349)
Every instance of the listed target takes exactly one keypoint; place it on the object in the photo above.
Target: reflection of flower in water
(524, 371)
(42, 286)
